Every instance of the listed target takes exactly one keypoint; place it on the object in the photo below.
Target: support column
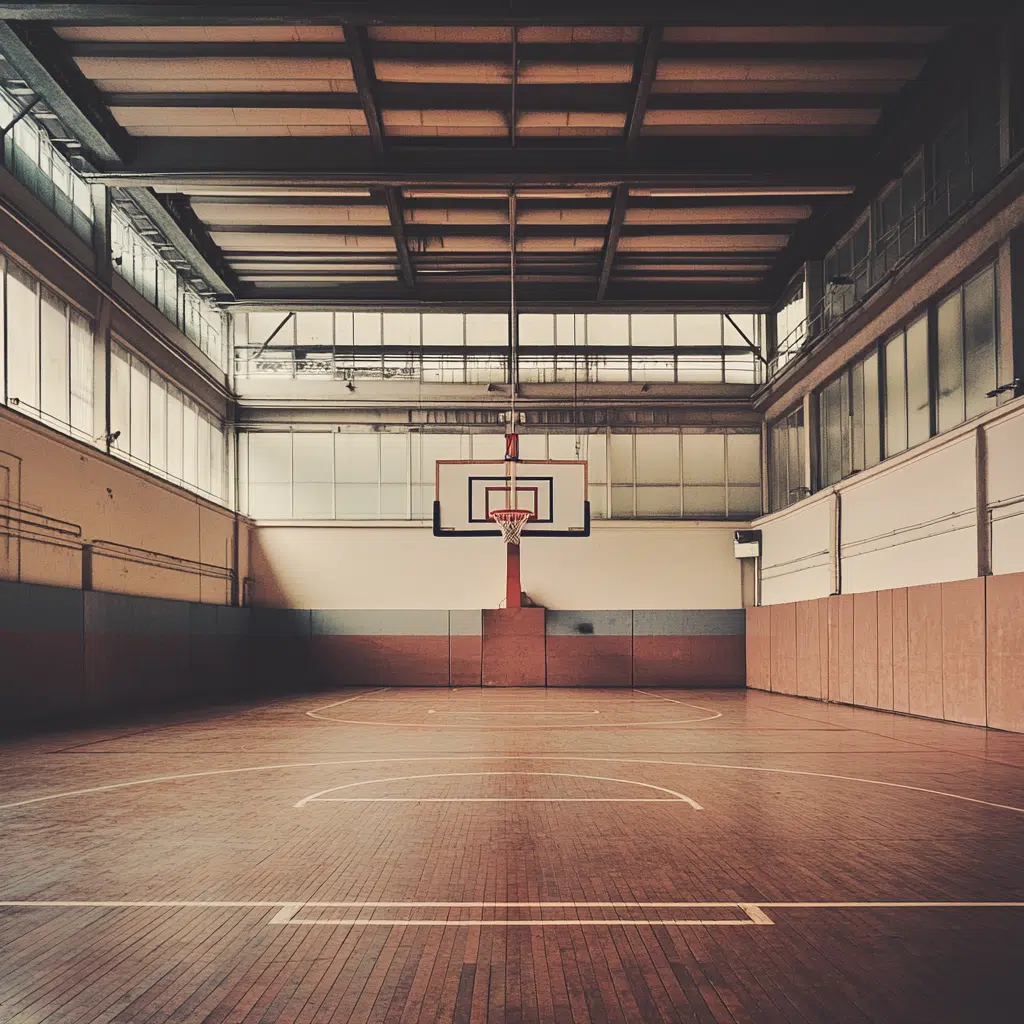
(513, 582)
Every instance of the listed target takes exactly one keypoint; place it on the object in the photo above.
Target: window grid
(733, 490)
(368, 346)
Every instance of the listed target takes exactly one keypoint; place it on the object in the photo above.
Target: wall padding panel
(592, 648)
(691, 648)
(1005, 662)
(952, 651)
(759, 634)
(963, 651)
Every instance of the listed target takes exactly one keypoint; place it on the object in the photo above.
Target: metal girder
(174, 218)
(500, 12)
(643, 80)
(39, 58)
(366, 80)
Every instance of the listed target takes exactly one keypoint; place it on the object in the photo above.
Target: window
(966, 327)
(390, 474)
(49, 354)
(163, 430)
(446, 348)
(787, 464)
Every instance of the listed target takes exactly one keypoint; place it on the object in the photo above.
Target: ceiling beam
(366, 80)
(174, 218)
(500, 12)
(643, 80)
(38, 56)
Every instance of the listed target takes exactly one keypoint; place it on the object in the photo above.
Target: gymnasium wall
(912, 520)
(953, 651)
(927, 553)
(622, 565)
(70, 516)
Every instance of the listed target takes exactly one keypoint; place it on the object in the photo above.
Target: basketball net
(511, 522)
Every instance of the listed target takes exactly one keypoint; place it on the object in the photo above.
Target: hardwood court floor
(467, 855)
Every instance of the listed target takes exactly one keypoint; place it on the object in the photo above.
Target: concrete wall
(953, 651)
(60, 495)
(621, 565)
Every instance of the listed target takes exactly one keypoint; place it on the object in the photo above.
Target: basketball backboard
(469, 491)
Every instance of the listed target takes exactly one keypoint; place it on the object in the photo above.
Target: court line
(347, 700)
(110, 787)
(432, 711)
(496, 800)
(673, 794)
(684, 703)
(755, 912)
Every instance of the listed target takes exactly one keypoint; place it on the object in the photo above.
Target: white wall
(913, 523)
(795, 544)
(1006, 492)
(620, 566)
(909, 521)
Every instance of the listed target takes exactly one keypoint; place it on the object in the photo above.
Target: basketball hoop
(511, 522)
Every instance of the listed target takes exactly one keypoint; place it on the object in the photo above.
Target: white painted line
(683, 703)
(338, 703)
(582, 922)
(674, 796)
(287, 911)
(433, 712)
(497, 800)
(523, 905)
(448, 759)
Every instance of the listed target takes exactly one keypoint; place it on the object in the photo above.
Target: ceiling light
(744, 190)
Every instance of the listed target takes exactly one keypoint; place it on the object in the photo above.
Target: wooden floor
(512, 855)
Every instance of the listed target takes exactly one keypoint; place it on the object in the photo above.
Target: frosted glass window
(157, 423)
(357, 501)
(951, 363)
(595, 451)
(657, 502)
(980, 341)
(698, 329)
(704, 501)
(139, 410)
(598, 502)
(563, 446)
(872, 424)
(488, 446)
(657, 459)
(367, 329)
(703, 369)
(394, 458)
(357, 458)
(203, 453)
(623, 498)
(653, 329)
(607, 329)
(394, 501)
(918, 389)
(270, 475)
(175, 426)
(22, 340)
(537, 329)
(263, 325)
(342, 329)
(270, 458)
(218, 441)
(314, 330)
(895, 396)
(189, 440)
(704, 460)
(442, 328)
(55, 355)
(486, 329)
(653, 368)
(120, 398)
(402, 329)
(622, 459)
(744, 458)
(570, 329)
(81, 374)
(744, 500)
(313, 457)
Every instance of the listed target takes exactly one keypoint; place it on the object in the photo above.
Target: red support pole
(513, 584)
